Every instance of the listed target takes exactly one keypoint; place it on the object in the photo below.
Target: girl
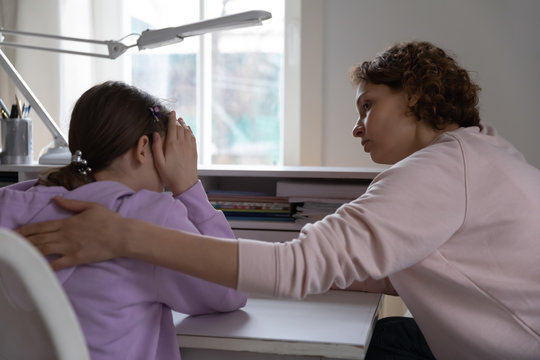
(124, 306)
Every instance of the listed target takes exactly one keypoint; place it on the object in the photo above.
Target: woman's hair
(106, 122)
(443, 91)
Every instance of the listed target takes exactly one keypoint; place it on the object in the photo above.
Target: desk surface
(337, 324)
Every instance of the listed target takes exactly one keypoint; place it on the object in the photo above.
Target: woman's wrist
(131, 238)
(143, 241)
(208, 258)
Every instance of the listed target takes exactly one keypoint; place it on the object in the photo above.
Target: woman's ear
(143, 150)
(413, 99)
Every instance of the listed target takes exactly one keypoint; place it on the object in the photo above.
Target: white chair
(36, 318)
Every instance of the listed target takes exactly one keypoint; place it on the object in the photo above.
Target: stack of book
(252, 207)
(311, 211)
(312, 201)
(297, 202)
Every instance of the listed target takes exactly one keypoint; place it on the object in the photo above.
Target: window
(228, 86)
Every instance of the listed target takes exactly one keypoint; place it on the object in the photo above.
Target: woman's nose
(358, 129)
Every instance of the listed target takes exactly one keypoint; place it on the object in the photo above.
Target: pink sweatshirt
(455, 228)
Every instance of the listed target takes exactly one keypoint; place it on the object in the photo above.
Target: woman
(123, 305)
(452, 226)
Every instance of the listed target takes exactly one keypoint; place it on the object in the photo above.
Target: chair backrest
(37, 320)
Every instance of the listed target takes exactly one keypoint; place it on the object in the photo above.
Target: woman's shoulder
(439, 159)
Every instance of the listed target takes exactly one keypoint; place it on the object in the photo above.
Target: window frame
(303, 92)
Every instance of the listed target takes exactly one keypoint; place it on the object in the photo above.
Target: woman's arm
(77, 240)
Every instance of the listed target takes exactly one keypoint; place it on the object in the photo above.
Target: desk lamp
(59, 154)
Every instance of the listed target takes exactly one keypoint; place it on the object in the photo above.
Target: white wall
(42, 77)
(499, 40)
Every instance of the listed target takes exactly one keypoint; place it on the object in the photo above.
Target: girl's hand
(176, 157)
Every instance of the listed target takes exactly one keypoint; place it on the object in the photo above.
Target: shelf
(33, 168)
(306, 172)
(265, 225)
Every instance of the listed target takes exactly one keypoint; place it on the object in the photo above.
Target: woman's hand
(176, 157)
(95, 234)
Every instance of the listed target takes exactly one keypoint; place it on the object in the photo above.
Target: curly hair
(443, 91)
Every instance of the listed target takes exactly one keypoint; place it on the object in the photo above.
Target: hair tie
(80, 163)
(156, 112)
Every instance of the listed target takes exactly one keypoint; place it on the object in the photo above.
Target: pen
(18, 103)
(26, 111)
(4, 109)
(14, 111)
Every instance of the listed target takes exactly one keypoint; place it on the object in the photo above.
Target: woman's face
(389, 131)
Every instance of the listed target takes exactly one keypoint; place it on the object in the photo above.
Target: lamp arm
(149, 38)
(114, 48)
(59, 138)
(155, 38)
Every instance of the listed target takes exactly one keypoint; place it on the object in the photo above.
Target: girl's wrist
(181, 188)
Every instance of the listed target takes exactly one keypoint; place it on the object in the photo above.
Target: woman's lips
(364, 144)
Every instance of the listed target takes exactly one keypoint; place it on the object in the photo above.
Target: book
(311, 189)
(309, 212)
(255, 207)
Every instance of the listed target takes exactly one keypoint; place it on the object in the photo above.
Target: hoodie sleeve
(192, 296)
(202, 214)
(192, 212)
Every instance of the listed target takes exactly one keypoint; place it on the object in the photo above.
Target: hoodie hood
(23, 203)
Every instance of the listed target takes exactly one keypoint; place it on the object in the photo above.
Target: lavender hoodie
(123, 305)
(454, 229)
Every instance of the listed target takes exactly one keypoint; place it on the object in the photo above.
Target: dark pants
(398, 338)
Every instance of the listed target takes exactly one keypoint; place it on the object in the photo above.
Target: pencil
(18, 102)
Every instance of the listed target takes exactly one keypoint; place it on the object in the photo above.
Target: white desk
(335, 325)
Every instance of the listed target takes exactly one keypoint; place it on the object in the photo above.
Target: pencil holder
(17, 141)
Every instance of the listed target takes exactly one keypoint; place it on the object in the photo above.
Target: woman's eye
(366, 106)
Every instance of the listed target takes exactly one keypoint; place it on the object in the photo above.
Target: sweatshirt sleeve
(193, 296)
(202, 214)
(407, 212)
(191, 211)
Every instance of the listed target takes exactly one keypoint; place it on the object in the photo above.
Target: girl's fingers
(157, 150)
(171, 131)
(185, 127)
